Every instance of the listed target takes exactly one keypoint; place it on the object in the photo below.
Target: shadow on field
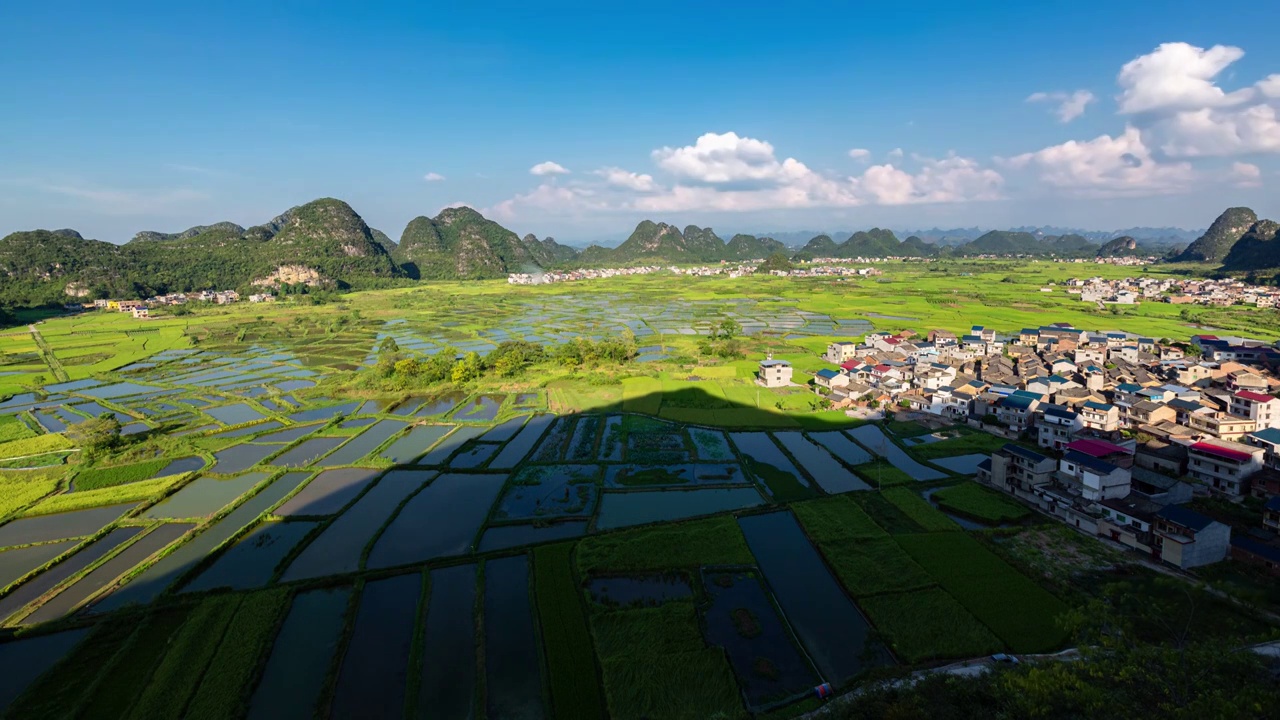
(698, 405)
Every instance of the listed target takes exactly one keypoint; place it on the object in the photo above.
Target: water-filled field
(283, 530)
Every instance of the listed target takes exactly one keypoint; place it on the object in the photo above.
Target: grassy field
(1022, 614)
(713, 541)
(974, 501)
(132, 492)
(185, 660)
(836, 518)
(655, 665)
(104, 477)
(223, 689)
(882, 473)
(928, 624)
(37, 445)
(12, 428)
(918, 509)
(575, 688)
(21, 488)
(970, 442)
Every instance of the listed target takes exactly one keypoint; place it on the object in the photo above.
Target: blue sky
(127, 116)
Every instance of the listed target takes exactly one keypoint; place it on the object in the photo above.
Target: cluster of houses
(824, 270)
(542, 278)
(1111, 432)
(1127, 260)
(142, 308)
(1131, 291)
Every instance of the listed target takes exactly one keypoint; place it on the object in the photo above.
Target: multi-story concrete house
(1094, 478)
(841, 352)
(1224, 466)
(1103, 417)
(1056, 426)
(1018, 471)
(1188, 539)
(1221, 425)
(774, 373)
(1263, 410)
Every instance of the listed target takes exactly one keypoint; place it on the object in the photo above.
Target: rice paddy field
(275, 536)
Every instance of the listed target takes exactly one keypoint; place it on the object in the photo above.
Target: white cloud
(1246, 174)
(619, 178)
(1270, 86)
(548, 168)
(433, 177)
(895, 153)
(1106, 166)
(724, 159)
(859, 153)
(1214, 132)
(1070, 105)
(730, 173)
(951, 179)
(1178, 76)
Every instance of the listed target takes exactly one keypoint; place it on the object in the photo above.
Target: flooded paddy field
(272, 472)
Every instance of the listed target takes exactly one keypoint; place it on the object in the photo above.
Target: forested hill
(323, 242)
(326, 243)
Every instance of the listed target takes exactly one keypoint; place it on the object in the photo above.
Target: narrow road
(46, 353)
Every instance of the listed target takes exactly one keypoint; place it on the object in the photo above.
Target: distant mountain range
(326, 243)
(1149, 236)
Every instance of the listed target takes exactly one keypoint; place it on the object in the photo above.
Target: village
(142, 308)
(1114, 434)
(1214, 293)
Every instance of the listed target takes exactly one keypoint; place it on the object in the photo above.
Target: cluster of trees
(95, 437)
(723, 341)
(509, 359)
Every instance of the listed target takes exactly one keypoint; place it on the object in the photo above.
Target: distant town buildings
(1131, 291)
(142, 308)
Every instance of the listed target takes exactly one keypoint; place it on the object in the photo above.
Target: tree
(95, 436)
(469, 368)
(388, 346)
(728, 329)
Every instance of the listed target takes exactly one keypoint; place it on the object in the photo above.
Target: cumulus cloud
(1106, 165)
(619, 178)
(548, 168)
(727, 159)
(726, 172)
(951, 179)
(1246, 174)
(1069, 105)
(895, 153)
(1178, 76)
(1176, 101)
(433, 177)
(859, 153)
